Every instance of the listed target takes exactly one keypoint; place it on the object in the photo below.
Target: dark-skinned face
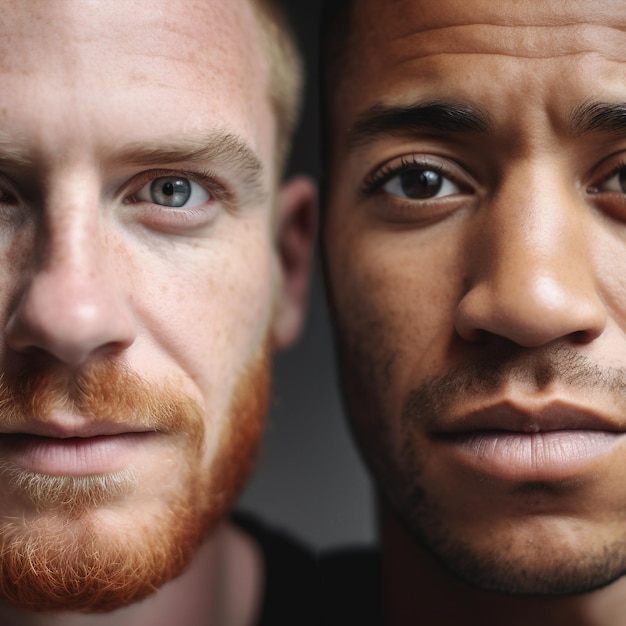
(475, 240)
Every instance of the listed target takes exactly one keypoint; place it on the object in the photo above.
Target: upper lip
(66, 429)
(509, 416)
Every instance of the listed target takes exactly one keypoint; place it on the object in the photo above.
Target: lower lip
(73, 456)
(551, 455)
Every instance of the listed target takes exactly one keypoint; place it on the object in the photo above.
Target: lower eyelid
(164, 218)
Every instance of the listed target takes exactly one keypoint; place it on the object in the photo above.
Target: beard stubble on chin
(63, 558)
(539, 570)
(396, 459)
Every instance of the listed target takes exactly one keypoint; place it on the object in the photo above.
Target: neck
(221, 587)
(416, 589)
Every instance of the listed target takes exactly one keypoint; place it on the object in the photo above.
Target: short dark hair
(335, 35)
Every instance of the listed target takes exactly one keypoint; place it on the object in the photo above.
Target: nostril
(70, 316)
(585, 336)
(479, 335)
(527, 314)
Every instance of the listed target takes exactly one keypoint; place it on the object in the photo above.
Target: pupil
(170, 191)
(421, 183)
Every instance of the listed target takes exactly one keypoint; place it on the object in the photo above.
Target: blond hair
(286, 71)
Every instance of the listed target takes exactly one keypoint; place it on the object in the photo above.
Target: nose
(72, 306)
(531, 274)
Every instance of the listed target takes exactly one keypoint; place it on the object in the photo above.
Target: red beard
(65, 557)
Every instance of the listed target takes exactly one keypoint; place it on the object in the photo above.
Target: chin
(96, 544)
(545, 557)
(533, 574)
(99, 562)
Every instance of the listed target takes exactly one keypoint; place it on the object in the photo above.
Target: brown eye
(616, 182)
(420, 184)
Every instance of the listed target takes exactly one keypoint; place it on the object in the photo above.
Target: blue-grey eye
(173, 191)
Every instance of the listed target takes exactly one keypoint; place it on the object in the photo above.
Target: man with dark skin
(475, 249)
(151, 263)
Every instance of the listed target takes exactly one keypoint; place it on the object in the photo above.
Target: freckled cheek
(209, 313)
(16, 266)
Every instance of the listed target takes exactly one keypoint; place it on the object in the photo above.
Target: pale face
(475, 241)
(137, 235)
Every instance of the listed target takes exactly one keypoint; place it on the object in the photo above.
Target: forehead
(417, 28)
(392, 19)
(62, 35)
(142, 61)
(403, 50)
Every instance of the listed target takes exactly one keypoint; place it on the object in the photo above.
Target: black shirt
(291, 596)
(351, 585)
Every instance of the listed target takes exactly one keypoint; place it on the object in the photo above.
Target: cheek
(216, 331)
(204, 311)
(396, 298)
(17, 260)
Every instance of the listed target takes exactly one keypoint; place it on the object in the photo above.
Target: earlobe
(296, 223)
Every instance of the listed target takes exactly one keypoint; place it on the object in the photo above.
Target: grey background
(309, 479)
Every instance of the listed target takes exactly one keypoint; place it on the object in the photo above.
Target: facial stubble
(397, 460)
(64, 557)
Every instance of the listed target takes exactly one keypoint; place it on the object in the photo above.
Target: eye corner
(611, 181)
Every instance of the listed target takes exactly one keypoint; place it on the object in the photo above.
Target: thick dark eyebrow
(436, 115)
(221, 150)
(599, 117)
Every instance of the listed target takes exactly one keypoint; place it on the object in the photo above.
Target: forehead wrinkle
(526, 42)
(452, 12)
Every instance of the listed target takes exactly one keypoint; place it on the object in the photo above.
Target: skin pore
(474, 245)
(151, 266)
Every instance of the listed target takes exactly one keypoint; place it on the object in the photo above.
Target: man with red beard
(151, 263)
(475, 249)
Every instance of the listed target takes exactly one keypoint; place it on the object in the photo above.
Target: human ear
(295, 226)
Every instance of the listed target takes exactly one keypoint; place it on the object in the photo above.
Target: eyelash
(377, 179)
(216, 189)
(615, 170)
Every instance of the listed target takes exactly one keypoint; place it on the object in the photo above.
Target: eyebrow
(218, 149)
(221, 150)
(436, 115)
(599, 117)
(12, 153)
